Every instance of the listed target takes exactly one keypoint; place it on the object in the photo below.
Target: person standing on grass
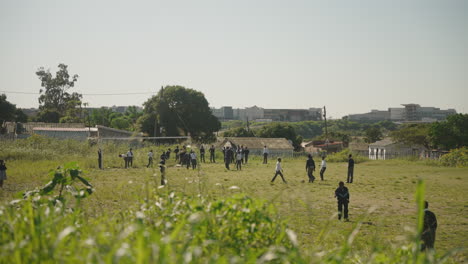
(246, 155)
(182, 153)
(265, 155)
(162, 170)
(323, 167)
(187, 159)
(342, 195)
(176, 151)
(3, 175)
(193, 159)
(99, 158)
(150, 159)
(168, 154)
(163, 155)
(428, 234)
(350, 169)
(279, 171)
(202, 154)
(212, 154)
(130, 158)
(239, 160)
(310, 168)
(227, 157)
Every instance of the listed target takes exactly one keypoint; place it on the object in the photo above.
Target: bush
(456, 158)
(343, 155)
(167, 228)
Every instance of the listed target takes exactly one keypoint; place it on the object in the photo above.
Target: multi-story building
(408, 113)
(258, 113)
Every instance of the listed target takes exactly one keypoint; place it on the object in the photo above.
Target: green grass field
(383, 209)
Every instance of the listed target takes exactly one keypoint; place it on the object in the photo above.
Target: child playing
(279, 171)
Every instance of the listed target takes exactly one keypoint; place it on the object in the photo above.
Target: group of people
(240, 155)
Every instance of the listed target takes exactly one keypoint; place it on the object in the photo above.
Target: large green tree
(280, 130)
(9, 112)
(452, 133)
(413, 134)
(373, 134)
(177, 110)
(56, 103)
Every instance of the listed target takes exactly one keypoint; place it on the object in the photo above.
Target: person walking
(310, 168)
(202, 154)
(3, 175)
(428, 234)
(323, 167)
(99, 158)
(212, 154)
(350, 169)
(130, 158)
(265, 155)
(246, 154)
(279, 171)
(193, 159)
(150, 159)
(239, 160)
(163, 155)
(176, 152)
(342, 195)
(227, 157)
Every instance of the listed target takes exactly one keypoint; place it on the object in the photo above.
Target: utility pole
(326, 128)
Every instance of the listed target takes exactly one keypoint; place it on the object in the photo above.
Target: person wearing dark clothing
(279, 171)
(233, 155)
(99, 158)
(342, 195)
(212, 154)
(3, 175)
(176, 151)
(227, 157)
(246, 155)
(162, 170)
(202, 154)
(428, 234)
(168, 154)
(310, 168)
(350, 169)
(187, 159)
(163, 156)
(182, 156)
(223, 150)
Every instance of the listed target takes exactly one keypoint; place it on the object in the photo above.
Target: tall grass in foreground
(167, 227)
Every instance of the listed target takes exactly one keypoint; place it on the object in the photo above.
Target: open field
(382, 203)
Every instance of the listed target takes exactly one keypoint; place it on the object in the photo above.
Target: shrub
(343, 155)
(456, 158)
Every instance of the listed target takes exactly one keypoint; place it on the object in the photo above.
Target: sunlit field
(294, 222)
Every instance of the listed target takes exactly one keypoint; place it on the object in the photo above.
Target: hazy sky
(352, 56)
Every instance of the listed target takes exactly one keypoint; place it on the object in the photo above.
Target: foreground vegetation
(219, 216)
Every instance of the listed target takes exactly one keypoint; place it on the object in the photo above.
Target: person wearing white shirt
(323, 166)
(239, 160)
(193, 158)
(150, 159)
(265, 155)
(279, 171)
